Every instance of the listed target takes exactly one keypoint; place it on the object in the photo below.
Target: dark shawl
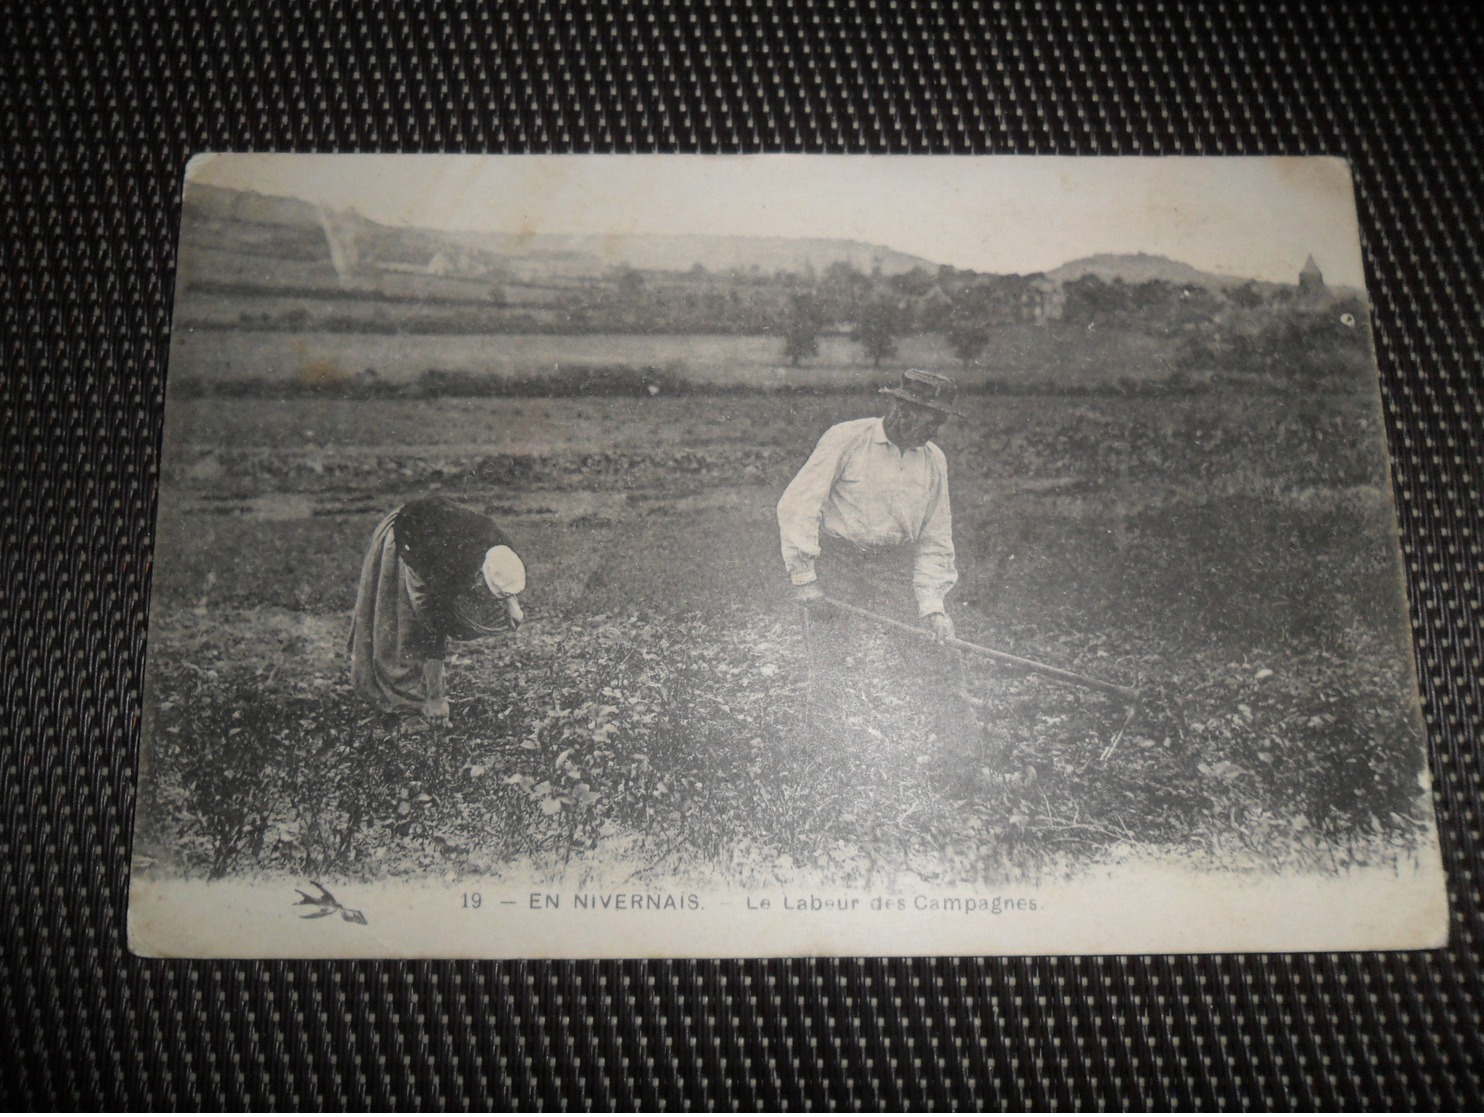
(444, 543)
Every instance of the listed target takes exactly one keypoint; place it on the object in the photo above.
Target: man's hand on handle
(942, 626)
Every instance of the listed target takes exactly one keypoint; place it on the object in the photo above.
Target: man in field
(867, 521)
(435, 571)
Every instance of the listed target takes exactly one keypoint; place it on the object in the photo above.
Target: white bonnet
(503, 571)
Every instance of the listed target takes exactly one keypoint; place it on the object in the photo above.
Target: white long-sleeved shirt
(861, 487)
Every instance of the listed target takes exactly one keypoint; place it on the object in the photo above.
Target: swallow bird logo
(327, 905)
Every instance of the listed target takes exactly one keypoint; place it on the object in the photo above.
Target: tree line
(1251, 325)
(1255, 326)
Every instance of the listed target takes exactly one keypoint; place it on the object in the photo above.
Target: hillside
(261, 222)
(651, 252)
(1134, 268)
(1142, 267)
(220, 220)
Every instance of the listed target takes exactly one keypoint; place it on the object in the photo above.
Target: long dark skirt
(389, 638)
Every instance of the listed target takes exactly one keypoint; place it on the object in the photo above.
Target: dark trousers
(854, 665)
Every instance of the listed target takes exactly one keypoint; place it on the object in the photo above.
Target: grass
(1017, 356)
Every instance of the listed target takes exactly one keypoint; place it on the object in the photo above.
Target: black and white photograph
(677, 556)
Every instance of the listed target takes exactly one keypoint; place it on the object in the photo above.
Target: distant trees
(911, 284)
(979, 307)
(629, 281)
(1195, 306)
(842, 291)
(800, 307)
(1153, 299)
(968, 339)
(1090, 301)
(877, 329)
(801, 326)
(1156, 305)
(1247, 296)
(1300, 343)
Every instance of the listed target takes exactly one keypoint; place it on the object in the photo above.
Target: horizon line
(190, 183)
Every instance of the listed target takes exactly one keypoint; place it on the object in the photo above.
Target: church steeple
(1311, 278)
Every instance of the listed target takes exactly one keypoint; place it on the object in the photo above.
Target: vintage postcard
(782, 555)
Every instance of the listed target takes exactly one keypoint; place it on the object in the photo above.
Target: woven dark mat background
(100, 107)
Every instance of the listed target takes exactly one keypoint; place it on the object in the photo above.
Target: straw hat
(927, 389)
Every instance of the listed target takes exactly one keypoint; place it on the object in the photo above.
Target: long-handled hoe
(1128, 694)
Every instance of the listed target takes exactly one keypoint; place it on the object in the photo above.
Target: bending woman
(435, 571)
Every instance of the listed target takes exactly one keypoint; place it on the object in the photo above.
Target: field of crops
(1231, 553)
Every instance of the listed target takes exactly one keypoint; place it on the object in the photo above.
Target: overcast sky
(1256, 217)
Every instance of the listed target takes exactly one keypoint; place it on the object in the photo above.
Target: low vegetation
(1230, 553)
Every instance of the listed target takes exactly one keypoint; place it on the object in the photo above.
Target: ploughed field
(1231, 554)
